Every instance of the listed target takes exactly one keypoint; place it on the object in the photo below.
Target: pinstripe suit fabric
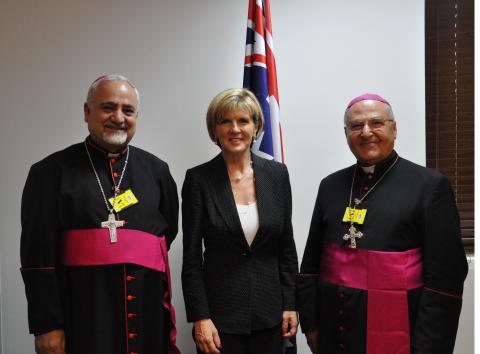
(241, 288)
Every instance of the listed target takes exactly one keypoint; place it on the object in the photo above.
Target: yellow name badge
(124, 200)
(358, 215)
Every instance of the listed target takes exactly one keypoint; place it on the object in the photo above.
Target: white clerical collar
(105, 153)
(368, 169)
(113, 155)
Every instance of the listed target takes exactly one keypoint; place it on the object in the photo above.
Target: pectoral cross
(352, 236)
(112, 225)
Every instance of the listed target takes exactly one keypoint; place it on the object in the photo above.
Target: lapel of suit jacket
(264, 192)
(222, 194)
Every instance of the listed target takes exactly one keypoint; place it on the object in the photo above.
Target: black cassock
(411, 207)
(104, 309)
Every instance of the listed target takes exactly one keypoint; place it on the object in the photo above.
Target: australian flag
(260, 77)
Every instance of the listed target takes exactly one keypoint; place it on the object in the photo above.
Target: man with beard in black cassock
(97, 221)
(384, 266)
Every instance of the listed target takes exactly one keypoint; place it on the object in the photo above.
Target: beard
(117, 138)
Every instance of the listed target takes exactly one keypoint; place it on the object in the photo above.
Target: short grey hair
(390, 114)
(110, 77)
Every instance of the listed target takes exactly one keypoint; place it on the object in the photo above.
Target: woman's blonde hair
(231, 100)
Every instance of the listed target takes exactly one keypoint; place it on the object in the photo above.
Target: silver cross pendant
(352, 236)
(111, 224)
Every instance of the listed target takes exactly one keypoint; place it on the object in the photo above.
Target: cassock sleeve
(445, 269)
(194, 292)
(308, 299)
(288, 262)
(39, 249)
(169, 205)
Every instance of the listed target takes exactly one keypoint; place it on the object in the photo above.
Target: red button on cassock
(132, 315)
(365, 188)
(112, 161)
(370, 176)
(130, 277)
(131, 297)
(132, 335)
(115, 174)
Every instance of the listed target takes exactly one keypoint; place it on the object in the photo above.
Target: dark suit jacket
(240, 287)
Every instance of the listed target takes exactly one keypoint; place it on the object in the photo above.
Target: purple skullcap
(99, 78)
(367, 96)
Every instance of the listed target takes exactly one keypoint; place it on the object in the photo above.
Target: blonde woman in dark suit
(239, 256)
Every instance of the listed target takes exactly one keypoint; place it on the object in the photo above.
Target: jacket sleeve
(169, 205)
(308, 297)
(194, 291)
(288, 261)
(445, 269)
(39, 246)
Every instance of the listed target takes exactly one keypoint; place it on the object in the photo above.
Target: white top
(249, 219)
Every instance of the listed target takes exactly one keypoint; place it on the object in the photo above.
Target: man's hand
(312, 340)
(206, 337)
(51, 342)
(289, 324)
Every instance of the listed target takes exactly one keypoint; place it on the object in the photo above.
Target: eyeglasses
(373, 124)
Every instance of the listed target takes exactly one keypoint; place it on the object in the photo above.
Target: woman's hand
(51, 342)
(289, 324)
(206, 337)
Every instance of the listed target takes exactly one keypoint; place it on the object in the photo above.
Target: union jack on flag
(260, 77)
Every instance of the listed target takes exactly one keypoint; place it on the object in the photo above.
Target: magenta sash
(386, 276)
(89, 247)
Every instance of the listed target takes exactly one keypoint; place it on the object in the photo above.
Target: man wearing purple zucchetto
(97, 221)
(384, 266)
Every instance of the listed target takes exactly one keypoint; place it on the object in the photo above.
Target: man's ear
(86, 112)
